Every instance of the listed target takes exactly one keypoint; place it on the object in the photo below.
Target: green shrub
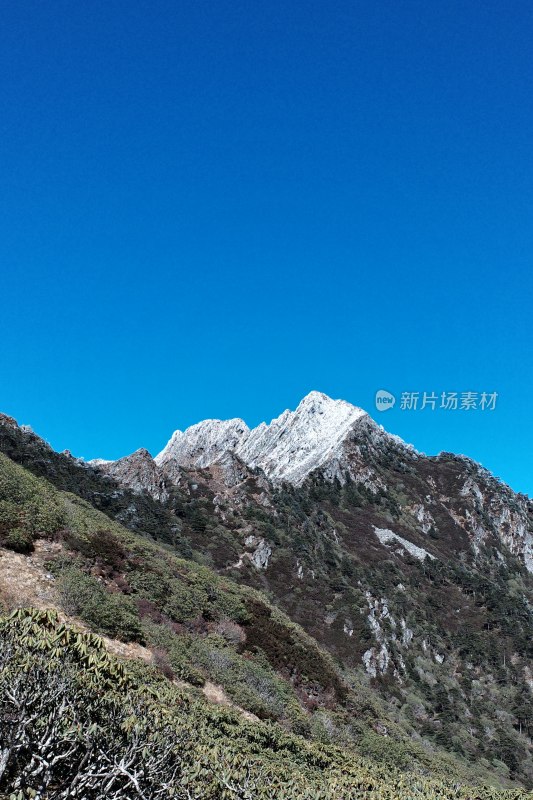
(28, 502)
(185, 602)
(127, 732)
(252, 685)
(19, 540)
(178, 650)
(112, 614)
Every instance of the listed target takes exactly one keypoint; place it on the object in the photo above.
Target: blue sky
(209, 209)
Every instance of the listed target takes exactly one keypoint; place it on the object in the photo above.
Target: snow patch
(386, 537)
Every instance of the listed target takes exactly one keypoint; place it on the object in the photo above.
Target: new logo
(384, 400)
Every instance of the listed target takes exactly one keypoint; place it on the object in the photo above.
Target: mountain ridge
(333, 438)
(233, 436)
(287, 449)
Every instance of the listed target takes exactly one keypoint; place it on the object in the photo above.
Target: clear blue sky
(210, 208)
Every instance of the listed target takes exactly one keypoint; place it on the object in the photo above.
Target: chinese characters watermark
(432, 401)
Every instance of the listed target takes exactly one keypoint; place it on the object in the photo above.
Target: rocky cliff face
(202, 444)
(138, 472)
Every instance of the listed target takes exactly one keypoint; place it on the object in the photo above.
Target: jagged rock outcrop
(299, 442)
(289, 448)
(138, 472)
(202, 444)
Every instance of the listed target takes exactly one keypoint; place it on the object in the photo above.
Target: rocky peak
(298, 442)
(288, 449)
(340, 442)
(10, 422)
(139, 472)
(203, 443)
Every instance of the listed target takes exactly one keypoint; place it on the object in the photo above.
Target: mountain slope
(190, 623)
(131, 733)
(412, 571)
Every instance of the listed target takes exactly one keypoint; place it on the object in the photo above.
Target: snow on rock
(288, 449)
(386, 537)
(297, 442)
(422, 516)
(202, 444)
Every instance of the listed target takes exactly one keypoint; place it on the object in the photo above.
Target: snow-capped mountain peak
(287, 449)
(203, 443)
(297, 442)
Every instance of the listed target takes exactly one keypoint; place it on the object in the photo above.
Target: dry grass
(25, 582)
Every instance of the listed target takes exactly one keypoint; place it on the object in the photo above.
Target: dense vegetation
(75, 723)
